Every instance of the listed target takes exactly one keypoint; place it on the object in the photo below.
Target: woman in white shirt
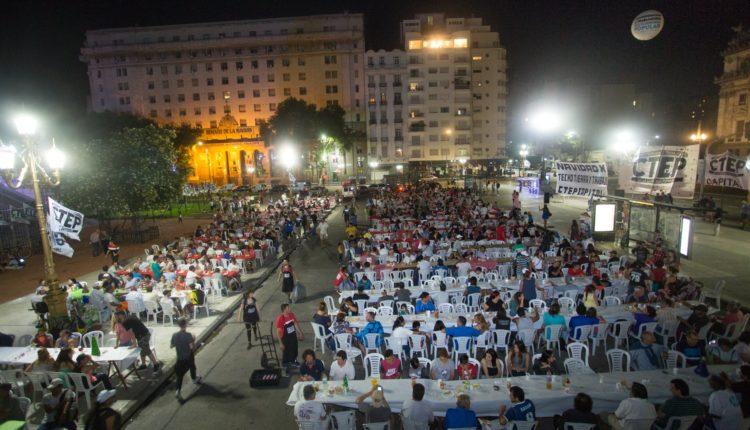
(341, 367)
(634, 409)
(723, 406)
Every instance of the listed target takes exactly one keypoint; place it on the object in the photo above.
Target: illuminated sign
(604, 218)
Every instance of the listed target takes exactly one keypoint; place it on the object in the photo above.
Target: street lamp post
(26, 126)
(699, 137)
(523, 153)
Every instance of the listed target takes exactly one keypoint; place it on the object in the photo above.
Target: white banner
(58, 242)
(668, 169)
(726, 170)
(581, 179)
(64, 220)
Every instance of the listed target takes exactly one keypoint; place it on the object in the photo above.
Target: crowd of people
(444, 267)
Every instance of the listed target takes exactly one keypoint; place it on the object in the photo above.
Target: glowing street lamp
(288, 156)
(374, 164)
(30, 156)
(698, 137)
(625, 141)
(545, 120)
(400, 167)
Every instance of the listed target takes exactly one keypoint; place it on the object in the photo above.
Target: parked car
(259, 187)
(318, 191)
(279, 188)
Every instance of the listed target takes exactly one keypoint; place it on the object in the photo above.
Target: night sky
(572, 42)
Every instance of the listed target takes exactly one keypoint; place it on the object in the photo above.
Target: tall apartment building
(456, 90)
(386, 73)
(733, 122)
(224, 77)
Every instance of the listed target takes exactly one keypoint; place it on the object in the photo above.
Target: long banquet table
(488, 394)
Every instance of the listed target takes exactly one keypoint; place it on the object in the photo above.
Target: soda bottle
(346, 384)
(549, 379)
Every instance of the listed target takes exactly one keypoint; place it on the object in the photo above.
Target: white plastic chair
(539, 305)
(567, 305)
(344, 343)
(578, 350)
(167, 312)
(372, 364)
(675, 359)
(581, 334)
(152, 310)
(38, 381)
(619, 332)
(611, 301)
(135, 307)
(527, 337)
(521, 425)
(330, 304)
(598, 335)
(86, 339)
(473, 301)
(576, 366)
(462, 345)
(483, 342)
(361, 305)
(445, 308)
(395, 344)
(618, 360)
(203, 306)
(385, 311)
(680, 423)
(714, 293)
(372, 342)
(500, 339)
(377, 426)
(83, 386)
(552, 336)
(439, 340)
(418, 345)
(345, 420)
(320, 336)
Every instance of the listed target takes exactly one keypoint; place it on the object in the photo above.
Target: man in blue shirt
(460, 330)
(522, 409)
(461, 417)
(424, 303)
(580, 320)
(371, 327)
(472, 288)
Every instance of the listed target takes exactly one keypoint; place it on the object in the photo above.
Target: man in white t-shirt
(463, 267)
(425, 268)
(323, 230)
(723, 406)
(417, 412)
(311, 409)
(341, 367)
(634, 408)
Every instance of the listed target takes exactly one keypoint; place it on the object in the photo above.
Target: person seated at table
(522, 410)
(555, 270)
(341, 367)
(517, 302)
(740, 386)
(384, 296)
(480, 323)
(360, 294)
(166, 303)
(724, 412)
(634, 409)
(697, 319)
(417, 370)
(590, 299)
(681, 404)
(552, 317)
(518, 361)
(643, 317)
(491, 364)
(390, 368)
(466, 370)
(379, 411)
(646, 354)
(10, 406)
(547, 362)
(42, 339)
(523, 322)
(373, 327)
(86, 365)
(321, 317)
(43, 362)
(349, 307)
(638, 296)
(311, 369)
(693, 347)
(311, 409)
(575, 271)
(442, 367)
(732, 315)
(65, 340)
(402, 293)
(501, 320)
(363, 284)
(463, 266)
(340, 324)
(722, 352)
(472, 287)
(493, 303)
(64, 361)
(461, 417)
(580, 413)
(425, 303)
(461, 330)
(417, 412)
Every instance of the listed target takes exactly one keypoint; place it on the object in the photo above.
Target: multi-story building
(456, 83)
(224, 77)
(733, 122)
(385, 73)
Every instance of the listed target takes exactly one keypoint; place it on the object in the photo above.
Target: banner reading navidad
(581, 179)
(668, 169)
(727, 170)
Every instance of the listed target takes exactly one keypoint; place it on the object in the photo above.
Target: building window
(256, 93)
(269, 64)
(224, 67)
(240, 94)
(271, 92)
(168, 113)
(180, 98)
(121, 72)
(287, 92)
(238, 65)
(330, 59)
(272, 107)
(152, 99)
(165, 84)
(197, 111)
(183, 112)
(240, 79)
(332, 89)
(302, 76)
(286, 77)
(224, 80)
(167, 99)
(285, 62)
(256, 107)
(213, 124)
(210, 82)
(241, 108)
(271, 77)
(243, 123)
(194, 82)
(211, 96)
(302, 91)
(254, 64)
(212, 110)
(151, 85)
(255, 79)
(209, 67)
(152, 114)
(742, 100)
(300, 61)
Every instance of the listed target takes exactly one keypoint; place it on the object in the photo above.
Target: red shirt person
(289, 331)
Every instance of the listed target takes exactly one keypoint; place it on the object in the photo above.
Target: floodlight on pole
(26, 124)
(374, 164)
(288, 156)
(545, 120)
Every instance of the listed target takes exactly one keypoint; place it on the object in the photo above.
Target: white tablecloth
(122, 356)
(486, 401)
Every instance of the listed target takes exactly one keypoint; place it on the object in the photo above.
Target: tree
(572, 144)
(128, 170)
(295, 120)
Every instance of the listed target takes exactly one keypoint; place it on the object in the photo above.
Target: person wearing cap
(60, 407)
(103, 417)
(10, 407)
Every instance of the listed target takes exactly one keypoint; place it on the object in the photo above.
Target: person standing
(184, 345)
(744, 214)
(286, 276)
(546, 214)
(290, 333)
(95, 241)
(142, 337)
(250, 317)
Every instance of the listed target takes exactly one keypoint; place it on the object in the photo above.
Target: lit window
(415, 44)
(477, 58)
(461, 42)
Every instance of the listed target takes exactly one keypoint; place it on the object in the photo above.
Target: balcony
(383, 84)
(416, 114)
(461, 85)
(461, 59)
(463, 127)
(416, 101)
(416, 126)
